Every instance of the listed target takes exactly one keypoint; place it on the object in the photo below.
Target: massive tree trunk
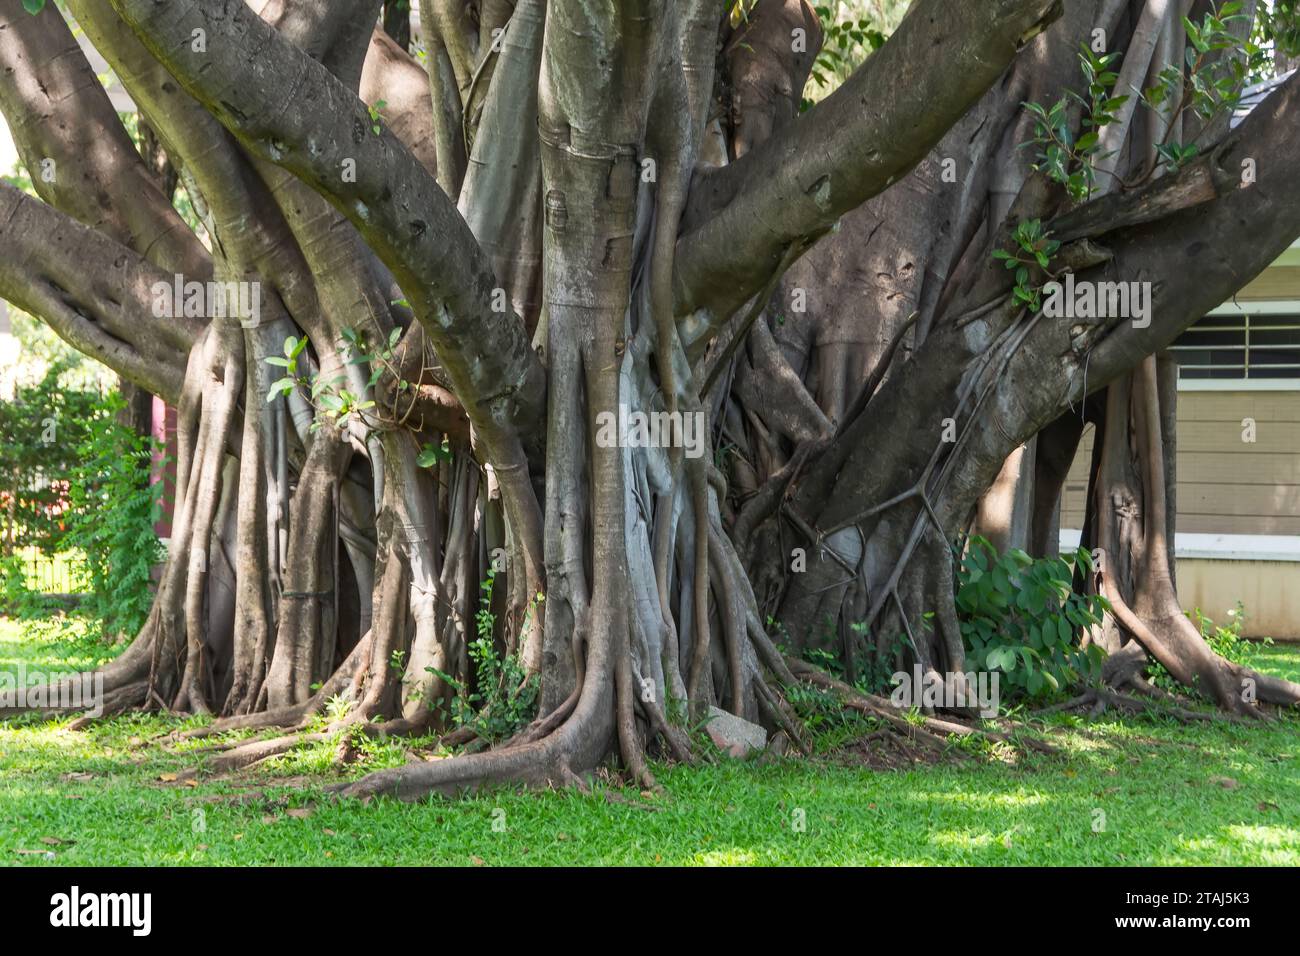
(571, 216)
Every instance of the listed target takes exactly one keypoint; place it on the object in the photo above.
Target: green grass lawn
(1171, 794)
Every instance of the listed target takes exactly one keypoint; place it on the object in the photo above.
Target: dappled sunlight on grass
(962, 839)
(44, 646)
(1016, 799)
(1265, 836)
(1267, 845)
(730, 857)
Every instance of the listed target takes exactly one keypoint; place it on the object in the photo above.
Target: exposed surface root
(249, 754)
(1097, 700)
(931, 731)
(534, 764)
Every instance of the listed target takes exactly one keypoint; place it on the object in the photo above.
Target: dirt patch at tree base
(882, 750)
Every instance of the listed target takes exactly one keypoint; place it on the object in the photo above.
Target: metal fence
(57, 574)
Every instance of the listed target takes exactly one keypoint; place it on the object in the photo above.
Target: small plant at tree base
(1019, 615)
(873, 671)
(337, 708)
(503, 699)
(876, 670)
(826, 660)
(824, 715)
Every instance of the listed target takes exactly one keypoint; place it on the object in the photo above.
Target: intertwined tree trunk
(567, 210)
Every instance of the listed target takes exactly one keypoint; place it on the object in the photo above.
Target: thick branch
(335, 34)
(97, 295)
(1250, 227)
(248, 77)
(849, 147)
(79, 155)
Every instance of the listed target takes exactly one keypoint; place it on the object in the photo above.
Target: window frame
(1244, 310)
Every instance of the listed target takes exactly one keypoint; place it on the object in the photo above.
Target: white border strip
(1218, 547)
(1258, 307)
(1239, 384)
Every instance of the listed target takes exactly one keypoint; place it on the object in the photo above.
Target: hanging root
(629, 740)
(1152, 616)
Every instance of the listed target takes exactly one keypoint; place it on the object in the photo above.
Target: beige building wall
(1278, 281)
(1226, 484)
(1230, 485)
(1270, 591)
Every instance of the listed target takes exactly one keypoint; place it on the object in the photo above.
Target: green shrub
(17, 598)
(1019, 615)
(41, 432)
(76, 481)
(115, 507)
(823, 715)
(876, 670)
